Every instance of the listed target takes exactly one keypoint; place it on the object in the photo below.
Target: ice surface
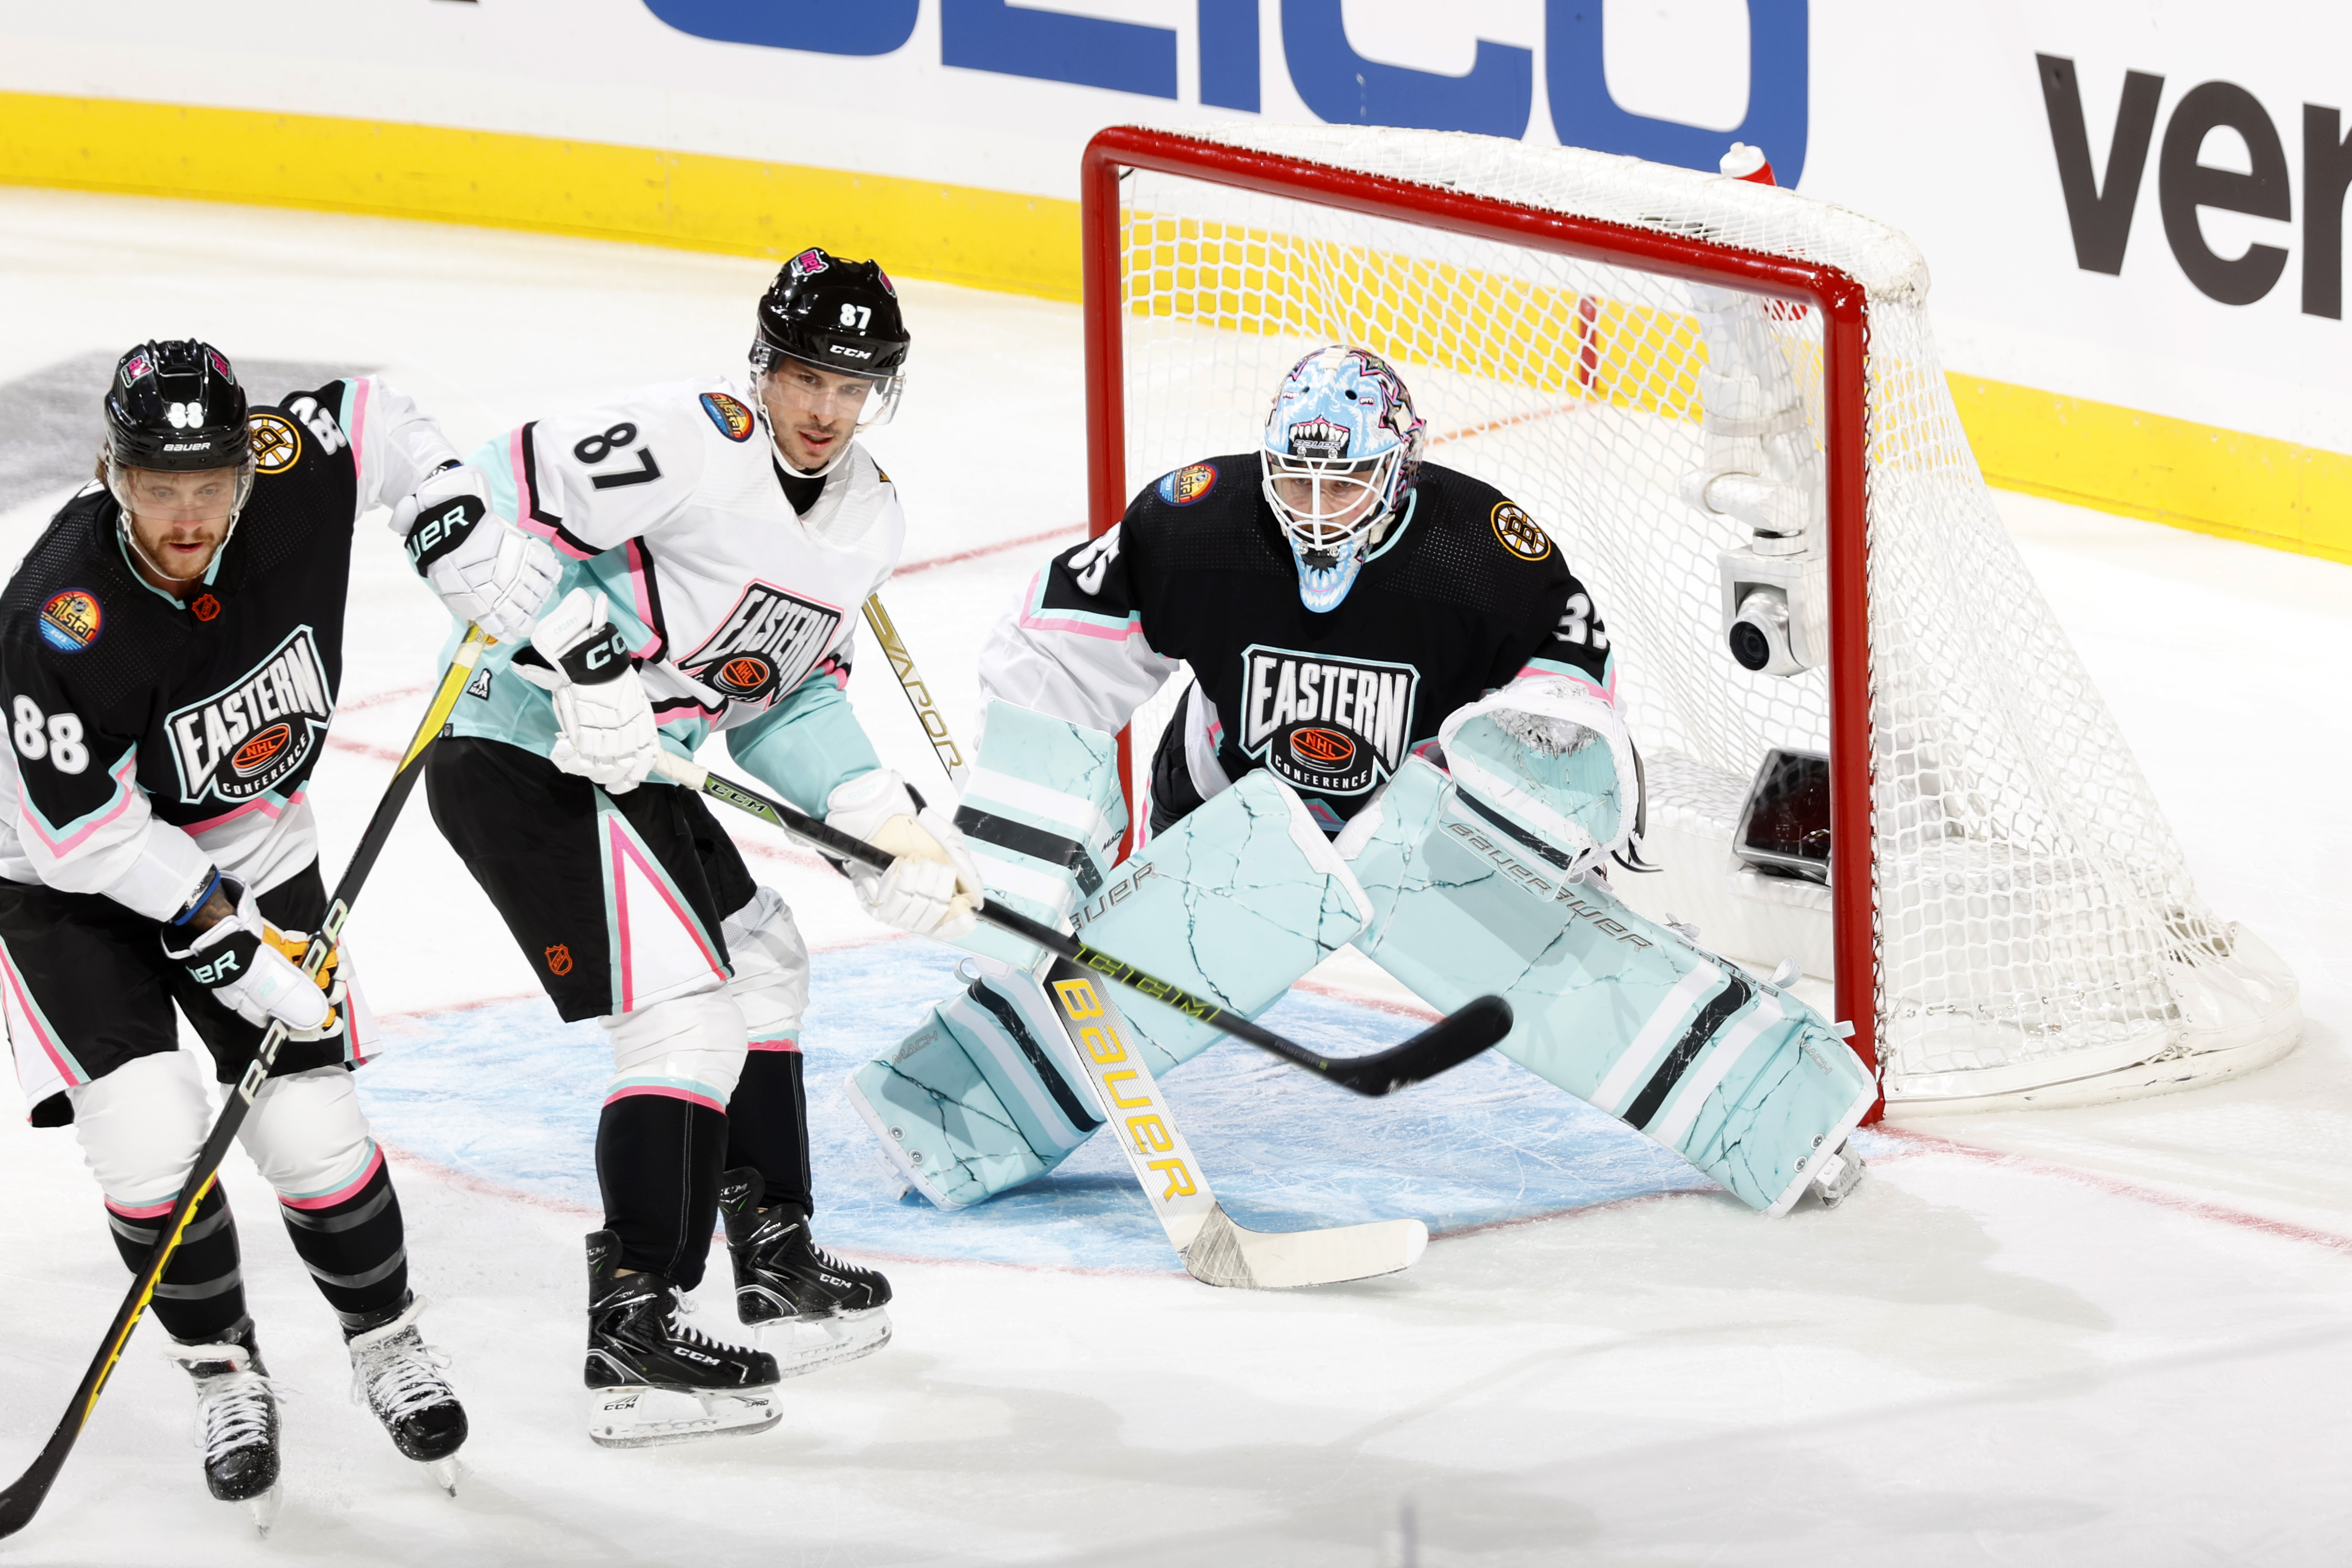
(2114, 1336)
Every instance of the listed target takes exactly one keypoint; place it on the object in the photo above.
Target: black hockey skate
(650, 1378)
(236, 1420)
(397, 1375)
(832, 1310)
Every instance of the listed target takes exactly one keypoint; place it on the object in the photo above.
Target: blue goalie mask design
(1342, 448)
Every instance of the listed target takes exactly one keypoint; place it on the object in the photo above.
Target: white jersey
(672, 501)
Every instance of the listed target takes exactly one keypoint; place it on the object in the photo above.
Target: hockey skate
(650, 1378)
(1838, 1175)
(828, 1311)
(397, 1375)
(236, 1421)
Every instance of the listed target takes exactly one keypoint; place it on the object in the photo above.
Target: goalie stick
(1214, 1247)
(1448, 1042)
(23, 1499)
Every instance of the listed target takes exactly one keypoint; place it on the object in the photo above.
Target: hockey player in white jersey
(1402, 733)
(718, 538)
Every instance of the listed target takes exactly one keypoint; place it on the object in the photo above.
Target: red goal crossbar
(1842, 301)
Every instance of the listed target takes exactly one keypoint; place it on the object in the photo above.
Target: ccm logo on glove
(437, 536)
(599, 660)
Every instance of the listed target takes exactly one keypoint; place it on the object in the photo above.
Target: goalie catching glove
(486, 570)
(933, 887)
(251, 967)
(609, 735)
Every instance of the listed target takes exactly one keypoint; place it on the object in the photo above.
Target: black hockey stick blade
(1445, 1044)
(24, 1497)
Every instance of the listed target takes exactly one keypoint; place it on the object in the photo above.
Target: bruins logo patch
(277, 443)
(1189, 484)
(734, 420)
(1518, 532)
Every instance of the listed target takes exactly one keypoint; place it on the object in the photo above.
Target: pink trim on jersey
(345, 1193)
(1606, 691)
(144, 1211)
(361, 390)
(663, 1092)
(1134, 628)
(622, 845)
(267, 807)
(789, 1043)
(49, 1048)
(121, 774)
(831, 666)
(526, 500)
(645, 603)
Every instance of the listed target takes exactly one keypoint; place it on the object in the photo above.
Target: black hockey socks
(657, 1163)
(202, 1294)
(767, 1129)
(355, 1249)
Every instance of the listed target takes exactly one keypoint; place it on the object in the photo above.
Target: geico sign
(2100, 210)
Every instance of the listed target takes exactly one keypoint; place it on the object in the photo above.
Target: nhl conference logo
(767, 643)
(240, 743)
(1326, 726)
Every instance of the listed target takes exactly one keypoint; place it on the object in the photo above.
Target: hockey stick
(1448, 1042)
(1215, 1249)
(919, 693)
(23, 1499)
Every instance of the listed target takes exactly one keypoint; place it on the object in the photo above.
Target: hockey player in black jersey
(1401, 732)
(170, 650)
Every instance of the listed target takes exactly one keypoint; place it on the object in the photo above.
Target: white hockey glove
(933, 886)
(244, 962)
(609, 735)
(486, 569)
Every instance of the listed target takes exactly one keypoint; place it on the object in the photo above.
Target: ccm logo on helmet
(848, 352)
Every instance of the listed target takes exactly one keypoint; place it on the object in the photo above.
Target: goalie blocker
(1456, 885)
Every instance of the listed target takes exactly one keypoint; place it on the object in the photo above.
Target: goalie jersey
(154, 737)
(1462, 593)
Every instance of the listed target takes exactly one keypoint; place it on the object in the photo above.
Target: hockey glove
(241, 961)
(609, 735)
(933, 886)
(486, 570)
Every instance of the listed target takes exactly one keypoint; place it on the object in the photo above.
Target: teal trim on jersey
(806, 746)
(1412, 504)
(124, 774)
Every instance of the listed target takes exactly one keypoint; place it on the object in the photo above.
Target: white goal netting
(2038, 936)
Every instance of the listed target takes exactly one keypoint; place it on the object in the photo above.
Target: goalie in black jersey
(170, 654)
(1401, 732)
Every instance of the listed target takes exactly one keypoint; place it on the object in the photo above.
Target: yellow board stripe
(2191, 476)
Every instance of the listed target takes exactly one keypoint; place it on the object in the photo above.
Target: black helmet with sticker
(835, 314)
(175, 407)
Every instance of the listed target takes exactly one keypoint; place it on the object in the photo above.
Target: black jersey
(129, 707)
(1463, 593)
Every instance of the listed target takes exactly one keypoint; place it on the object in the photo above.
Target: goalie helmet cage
(2007, 920)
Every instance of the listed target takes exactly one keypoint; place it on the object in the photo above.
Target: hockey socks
(201, 1296)
(354, 1247)
(657, 1163)
(767, 1129)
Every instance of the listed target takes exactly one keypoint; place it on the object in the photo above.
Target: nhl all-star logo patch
(277, 443)
(1328, 726)
(766, 644)
(1188, 484)
(734, 420)
(71, 621)
(260, 730)
(1518, 532)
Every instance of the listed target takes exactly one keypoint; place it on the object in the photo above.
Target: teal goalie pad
(1550, 757)
(1232, 903)
(1042, 814)
(1740, 1078)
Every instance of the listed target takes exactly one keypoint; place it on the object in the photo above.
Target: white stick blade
(1224, 1253)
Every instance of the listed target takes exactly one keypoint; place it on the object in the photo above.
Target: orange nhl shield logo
(559, 960)
(205, 607)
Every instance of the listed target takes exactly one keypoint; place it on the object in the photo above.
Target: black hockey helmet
(835, 314)
(175, 407)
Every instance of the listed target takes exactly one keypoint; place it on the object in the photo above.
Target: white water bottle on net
(1867, 745)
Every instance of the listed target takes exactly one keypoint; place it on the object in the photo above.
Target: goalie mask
(838, 316)
(175, 408)
(1342, 448)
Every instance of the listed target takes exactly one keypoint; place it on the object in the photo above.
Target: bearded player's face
(180, 520)
(814, 411)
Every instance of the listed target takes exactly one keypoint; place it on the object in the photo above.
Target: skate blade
(444, 1473)
(802, 1345)
(643, 1417)
(263, 1509)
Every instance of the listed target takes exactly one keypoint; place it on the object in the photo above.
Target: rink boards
(507, 1095)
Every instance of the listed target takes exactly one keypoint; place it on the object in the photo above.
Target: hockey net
(2009, 920)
